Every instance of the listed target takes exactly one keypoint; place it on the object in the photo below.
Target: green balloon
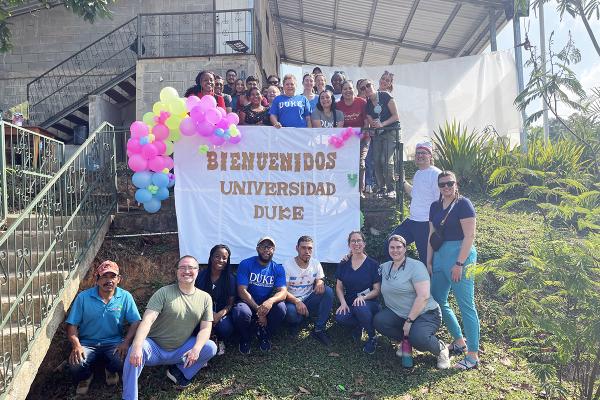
(169, 146)
(148, 118)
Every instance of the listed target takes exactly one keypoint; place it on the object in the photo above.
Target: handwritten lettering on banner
(285, 162)
(279, 182)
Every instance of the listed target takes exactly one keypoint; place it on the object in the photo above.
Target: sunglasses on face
(446, 184)
(273, 82)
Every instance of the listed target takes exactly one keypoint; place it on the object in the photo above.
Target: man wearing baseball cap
(262, 290)
(95, 327)
(422, 193)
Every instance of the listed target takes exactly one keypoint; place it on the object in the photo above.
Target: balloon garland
(151, 143)
(339, 141)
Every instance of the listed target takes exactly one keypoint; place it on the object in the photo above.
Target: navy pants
(412, 231)
(244, 320)
(319, 307)
(83, 370)
(361, 316)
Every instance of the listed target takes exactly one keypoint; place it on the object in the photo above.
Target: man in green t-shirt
(164, 335)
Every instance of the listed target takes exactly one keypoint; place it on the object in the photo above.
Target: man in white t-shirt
(422, 193)
(307, 293)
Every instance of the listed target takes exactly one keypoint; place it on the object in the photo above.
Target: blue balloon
(162, 194)
(160, 179)
(152, 205)
(142, 195)
(219, 132)
(142, 179)
(171, 181)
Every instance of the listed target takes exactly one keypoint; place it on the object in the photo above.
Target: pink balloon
(217, 140)
(192, 102)
(212, 115)
(138, 129)
(149, 151)
(235, 139)
(222, 111)
(233, 118)
(223, 124)
(346, 134)
(205, 128)
(134, 146)
(197, 114)
(161, 147)
(187, 127)
(137, 163)
(156, 164)
(160, 132)
(168, 162)
(210, 101)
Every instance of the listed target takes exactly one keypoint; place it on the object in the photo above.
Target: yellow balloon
(148, 119)
(174, 136)
(169, 146)
(173, 122)
(177, 106)
(158, 107)
(233, 132)
(168, 93)
(151, 138)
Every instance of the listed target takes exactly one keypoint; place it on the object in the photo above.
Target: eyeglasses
(356, 241)
(266, 247)
(186, 268)
(446, 184)
(422, 153)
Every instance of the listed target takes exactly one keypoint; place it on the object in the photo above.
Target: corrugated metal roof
(382, 32)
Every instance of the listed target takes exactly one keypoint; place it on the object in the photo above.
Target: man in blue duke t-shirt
(262, 290)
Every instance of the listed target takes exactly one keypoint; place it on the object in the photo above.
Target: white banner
(283, 183)
(476, 91)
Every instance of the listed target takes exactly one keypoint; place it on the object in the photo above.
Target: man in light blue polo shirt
(95, 327)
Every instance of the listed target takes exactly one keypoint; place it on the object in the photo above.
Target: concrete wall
(180, 73)
(44, 38)
(269, 57)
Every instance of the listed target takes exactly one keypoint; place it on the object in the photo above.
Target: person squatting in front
(164, 335)
(307, 295)
(262, 291)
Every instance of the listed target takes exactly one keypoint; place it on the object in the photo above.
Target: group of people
(321, 106)
(187, 323)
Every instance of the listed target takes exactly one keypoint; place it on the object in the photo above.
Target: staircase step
(51, 280)
(29, 311)
(13, 344)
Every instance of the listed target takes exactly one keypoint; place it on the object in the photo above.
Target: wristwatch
(460, 264)
(409, 320)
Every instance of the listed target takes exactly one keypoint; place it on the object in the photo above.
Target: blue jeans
(412, 231)
(464, 292)
(360, 315)
(83, 371)
(370, 167)
(153, 354)
(244, 320)
(319, 307)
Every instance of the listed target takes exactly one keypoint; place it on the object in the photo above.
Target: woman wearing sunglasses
(409, 311)
(453, 219)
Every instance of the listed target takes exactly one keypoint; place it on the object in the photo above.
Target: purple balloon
(187, 127)
(212, 115)
(233, 118)
(210, 101)
(235, 139)
(192, 102)
(223, 124)
(217, 140)
(205, 128)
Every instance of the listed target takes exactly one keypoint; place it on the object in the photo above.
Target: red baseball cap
(107, 266)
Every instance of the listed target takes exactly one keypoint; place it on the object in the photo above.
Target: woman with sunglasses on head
(325, 115)
(254, 113)
(358, 284)
(409, 311)
(218, 281)
(452, 220)
(308, 83)
(382, 113)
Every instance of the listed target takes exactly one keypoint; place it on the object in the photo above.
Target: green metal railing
(28, 161)
(42, 247)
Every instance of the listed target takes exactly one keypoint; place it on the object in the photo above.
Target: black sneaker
(244, 348)
(174, 374)
(265, 344)
(322, 337)
(370, 346)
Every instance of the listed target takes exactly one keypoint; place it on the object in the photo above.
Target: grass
(301, 368)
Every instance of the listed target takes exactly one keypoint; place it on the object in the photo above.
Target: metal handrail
(40, 250)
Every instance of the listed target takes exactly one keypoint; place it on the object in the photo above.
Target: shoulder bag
(436, 240)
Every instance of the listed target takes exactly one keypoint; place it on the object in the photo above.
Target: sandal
(467, 363)
(456, 350)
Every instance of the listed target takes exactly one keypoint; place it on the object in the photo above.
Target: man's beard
(265, 260)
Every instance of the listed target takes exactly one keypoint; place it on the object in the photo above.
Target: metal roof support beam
(301, 4)
(498, 5)
(281, 44)
(370, 24)
(449, 21)
(350, 34)
(472, 34)
(335, 17)
(409, 19)
(493, 44)
(480, 37)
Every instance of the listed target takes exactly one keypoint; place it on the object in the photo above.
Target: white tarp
(476, 91)
(229, 195)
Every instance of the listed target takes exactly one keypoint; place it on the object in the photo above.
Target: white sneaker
(221, 348)
(443, 360)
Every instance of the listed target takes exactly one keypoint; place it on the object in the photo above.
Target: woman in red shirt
(205, 85)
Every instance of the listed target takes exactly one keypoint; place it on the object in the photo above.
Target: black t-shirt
(219, 291)
(452, 227)
(385, 113)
